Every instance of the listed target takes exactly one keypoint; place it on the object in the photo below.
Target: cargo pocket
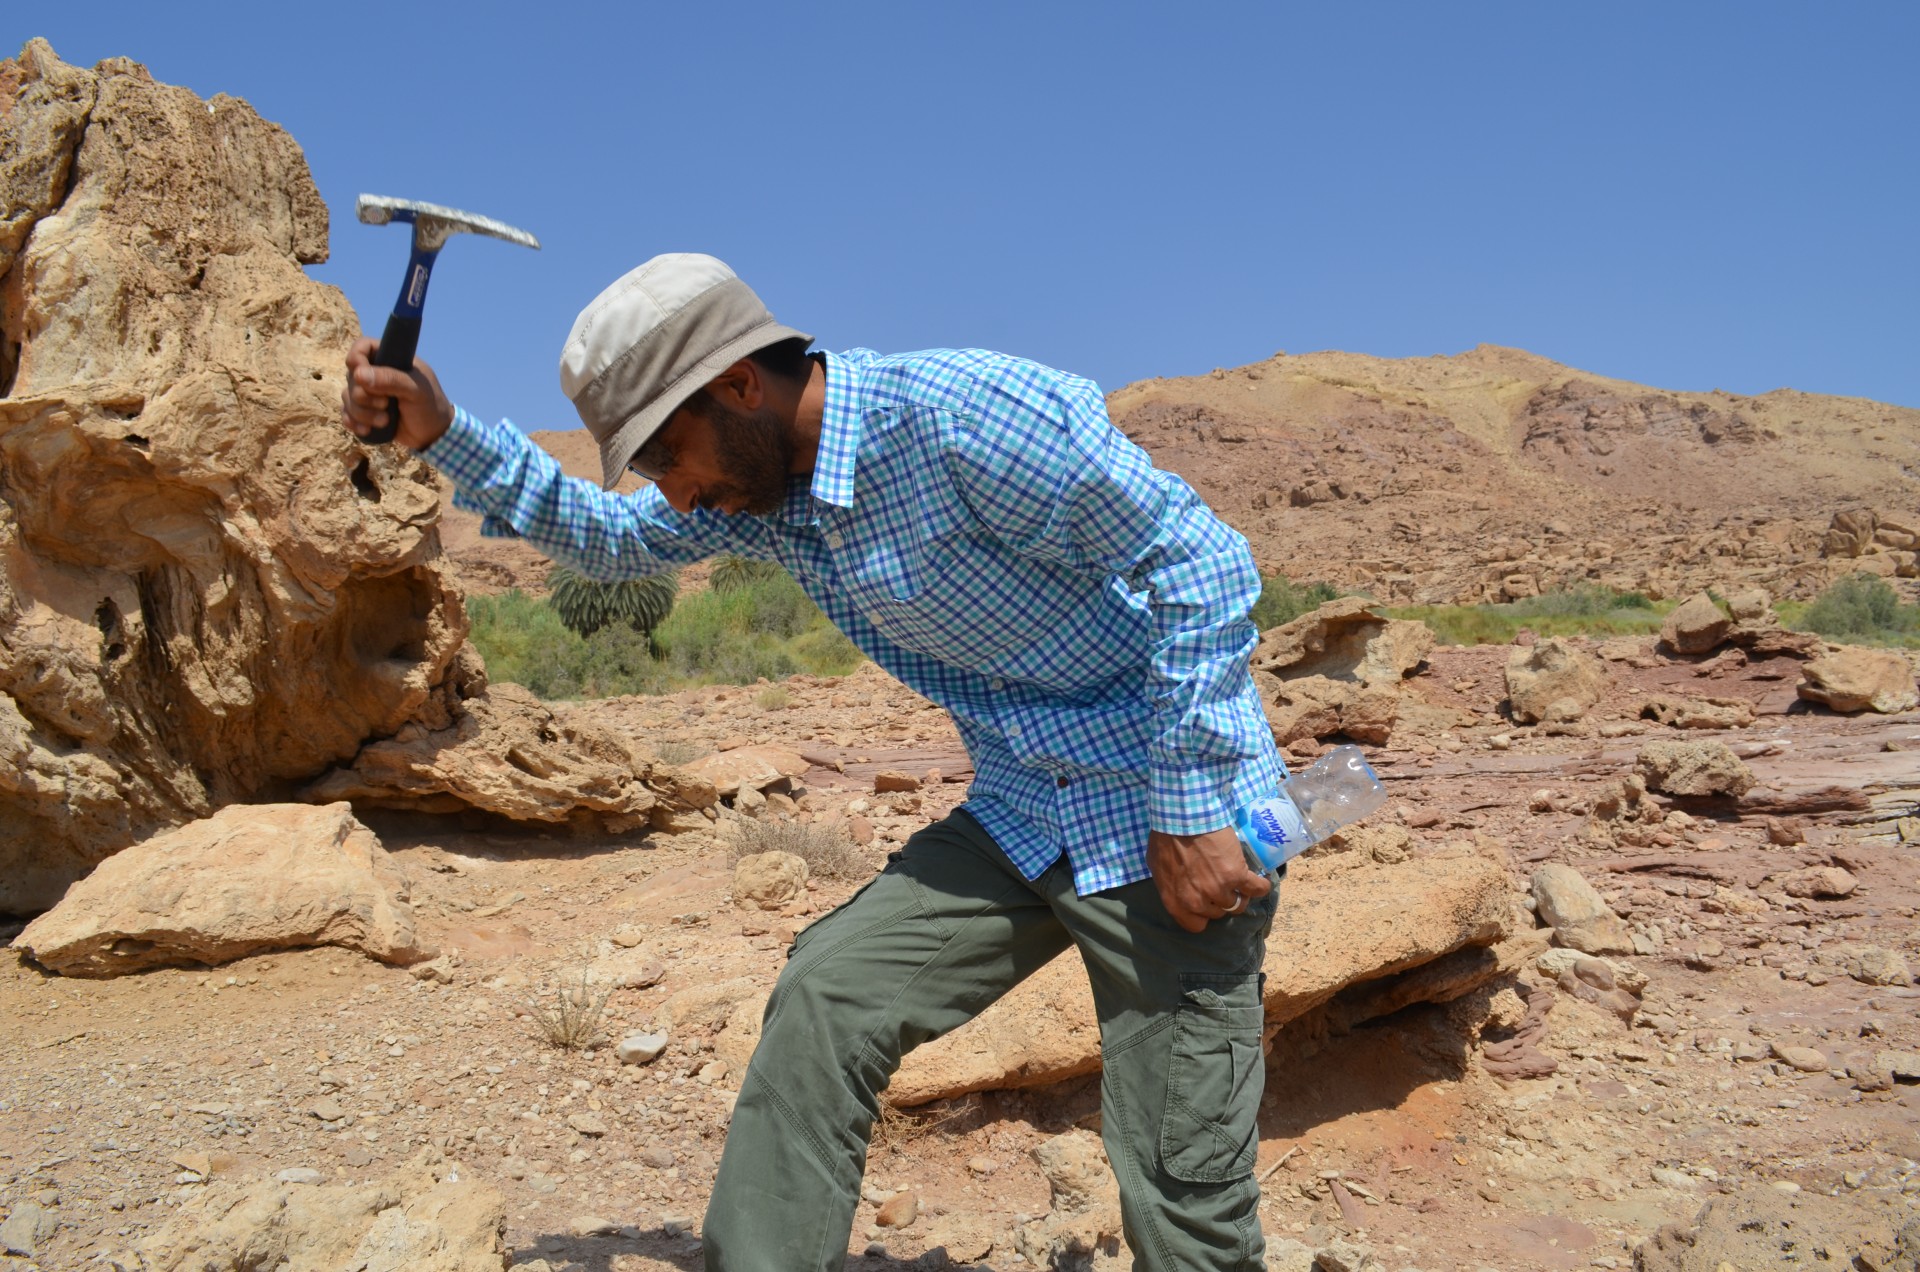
(1208, 1134)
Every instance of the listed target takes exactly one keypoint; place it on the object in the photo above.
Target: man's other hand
(425, 412)
(1203, 877)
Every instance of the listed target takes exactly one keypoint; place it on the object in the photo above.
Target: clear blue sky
(1692, 195)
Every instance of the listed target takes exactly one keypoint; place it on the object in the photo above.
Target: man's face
(710, 456)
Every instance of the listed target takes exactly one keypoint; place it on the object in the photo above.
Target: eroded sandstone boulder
(1696, 625)
(1553, 682)
(1681, 712)
(246, 880)
(1343, 921)
(1580, 918)
(1693, 768)
(1852, 678)
(424, 1217)
(1338, 670)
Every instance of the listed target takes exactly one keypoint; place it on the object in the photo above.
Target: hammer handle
(397, 344)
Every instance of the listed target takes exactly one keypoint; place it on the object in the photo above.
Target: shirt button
(997, 683)
(833, 539)
(1063, 782)
(1013, 730)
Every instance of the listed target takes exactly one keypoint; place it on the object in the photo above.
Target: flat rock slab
(249, 879)
(1339, 923)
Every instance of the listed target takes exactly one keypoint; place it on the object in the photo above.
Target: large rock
(1681, 712)
(1696, 625)
(424, 1217)
(1317, 707)
(503, 751)
(760, 768)
(1851, 678)
(768, 880)
(246, 880)
(1345, 639)
(1850, 533)
(1693, 768)
(1581, 920)
(1553, 682)
(1342, 921)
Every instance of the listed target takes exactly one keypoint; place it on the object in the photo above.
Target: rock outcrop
(209, 591)
(422, 1217)
(244, 881)
(1696, 626)
(1338, 670)
(1693, 768)
(1852, 678)
(1387, 934)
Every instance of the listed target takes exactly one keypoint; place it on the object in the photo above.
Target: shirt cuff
(1192, 800)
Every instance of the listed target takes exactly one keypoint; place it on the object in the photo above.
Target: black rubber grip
(397, 345)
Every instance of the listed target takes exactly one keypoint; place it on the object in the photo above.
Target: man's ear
(739, 388)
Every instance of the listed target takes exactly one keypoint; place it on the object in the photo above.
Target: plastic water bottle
(1336, 790)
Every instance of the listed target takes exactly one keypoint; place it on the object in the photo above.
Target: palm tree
(731, 573)
(586, 606)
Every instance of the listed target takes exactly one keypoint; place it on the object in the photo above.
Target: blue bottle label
(1272, 830)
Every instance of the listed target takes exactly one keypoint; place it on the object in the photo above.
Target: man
(980, 529)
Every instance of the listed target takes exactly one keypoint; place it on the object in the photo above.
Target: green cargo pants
(948, 927)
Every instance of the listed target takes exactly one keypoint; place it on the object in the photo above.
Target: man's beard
(755, 454)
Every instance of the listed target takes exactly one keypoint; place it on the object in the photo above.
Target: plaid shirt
(979, 528)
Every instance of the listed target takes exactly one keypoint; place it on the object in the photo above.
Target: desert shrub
(676, 752)
(773, 698)
(826, 849)
(765, 628)
(566, 1010)
(1282, 600)
(1862, 609)
(1587, 610)
(586, 605)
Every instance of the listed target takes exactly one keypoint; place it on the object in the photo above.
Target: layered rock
(1346, 926)
(247, 880)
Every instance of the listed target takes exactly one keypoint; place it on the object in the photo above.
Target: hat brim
(621, 445)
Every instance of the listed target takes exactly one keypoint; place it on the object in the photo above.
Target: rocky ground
(1770, 1064)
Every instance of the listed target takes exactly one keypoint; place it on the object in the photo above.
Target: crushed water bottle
(1336, 790)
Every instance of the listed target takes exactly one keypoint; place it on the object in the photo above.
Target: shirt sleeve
(1045, 470)
(520, 491)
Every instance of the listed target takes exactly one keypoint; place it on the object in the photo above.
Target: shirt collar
(839, 434)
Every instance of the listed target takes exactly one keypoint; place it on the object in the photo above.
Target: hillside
(1482, 475)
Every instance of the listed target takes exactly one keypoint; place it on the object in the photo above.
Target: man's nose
(678, 491)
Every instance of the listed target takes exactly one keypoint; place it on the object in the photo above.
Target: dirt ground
(122, 1097)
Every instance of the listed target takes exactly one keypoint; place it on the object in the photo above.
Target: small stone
(592, 1226)
(1804, 1059)
(357, 1156)
(860, 829)
(982, 1165)
(712, 1071)
(26, 1229)
(587, 1124)
(300, 1175)
(1821, 883)
(889, 780)
(899, 1211)
(628, 935)
(674, 1224)
(1671, 1178)
(1901, 1064)
(327, 1109)
(641, 1048)
(657, 1157)
(1342, 1256)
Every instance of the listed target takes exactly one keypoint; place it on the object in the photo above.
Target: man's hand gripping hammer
(433, 225)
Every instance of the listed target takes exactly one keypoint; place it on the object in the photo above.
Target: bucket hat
(653, 339)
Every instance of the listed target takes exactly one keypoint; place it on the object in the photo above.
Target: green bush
(1282, 601)
(766, 627)
(731, 573)
(1861, 609)
(1582, 611)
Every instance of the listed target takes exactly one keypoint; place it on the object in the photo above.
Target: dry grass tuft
(678, 753)
(566, 1010)
(826, 849)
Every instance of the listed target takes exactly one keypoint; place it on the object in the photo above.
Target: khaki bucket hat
(646, 344)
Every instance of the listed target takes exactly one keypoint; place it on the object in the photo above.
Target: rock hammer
(433, 225)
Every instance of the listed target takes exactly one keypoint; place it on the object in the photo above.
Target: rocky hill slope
(1488, 475)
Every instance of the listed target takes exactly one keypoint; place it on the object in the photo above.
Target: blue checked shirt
(979, 528)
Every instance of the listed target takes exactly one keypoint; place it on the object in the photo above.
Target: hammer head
(433, 225)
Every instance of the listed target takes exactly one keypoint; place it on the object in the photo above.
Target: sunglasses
(653, 460)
